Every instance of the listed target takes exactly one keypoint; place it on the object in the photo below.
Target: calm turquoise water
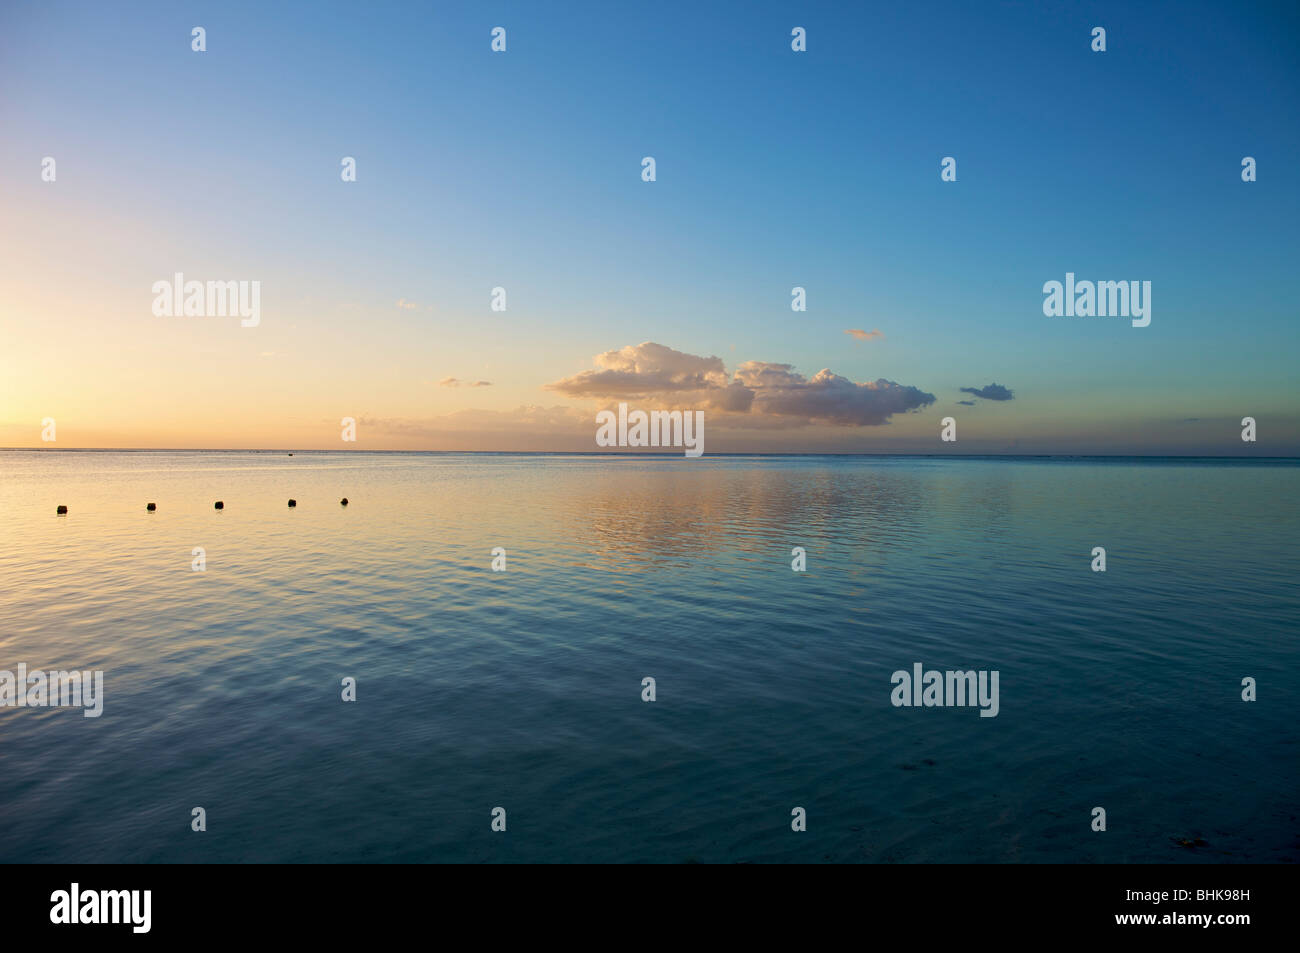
(523, 689)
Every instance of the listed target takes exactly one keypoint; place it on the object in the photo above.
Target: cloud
(406, 305)
(827, 397)
(966, 403)
(991, 392)
(865, 335)
(457, 382)
(644, 369)
(650, 371)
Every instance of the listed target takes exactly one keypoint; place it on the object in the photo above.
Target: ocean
(523, 689)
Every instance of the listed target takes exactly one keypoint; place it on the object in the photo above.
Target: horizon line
(672, 454)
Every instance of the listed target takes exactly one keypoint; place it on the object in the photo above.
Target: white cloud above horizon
(651, 371)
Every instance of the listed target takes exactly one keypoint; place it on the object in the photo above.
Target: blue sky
(775, 169)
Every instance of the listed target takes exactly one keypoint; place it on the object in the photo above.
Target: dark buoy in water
(151, 507)
(218, 505)
(344, 501)
(293, 502)
(62, 510)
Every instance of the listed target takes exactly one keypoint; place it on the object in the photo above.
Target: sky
(774, 169)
